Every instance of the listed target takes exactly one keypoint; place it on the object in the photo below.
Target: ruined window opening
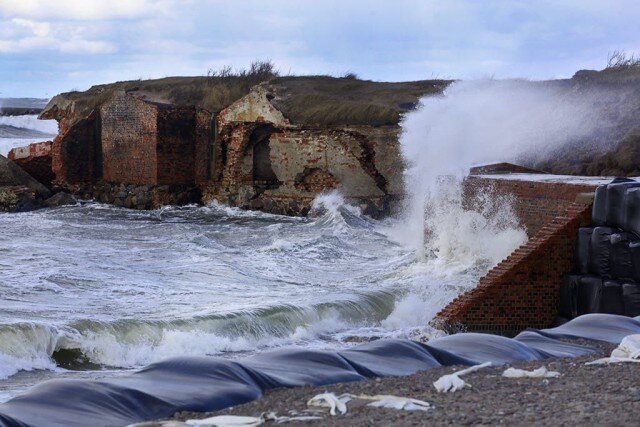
(263, 173)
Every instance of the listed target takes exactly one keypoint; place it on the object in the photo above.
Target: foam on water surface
(118, 288)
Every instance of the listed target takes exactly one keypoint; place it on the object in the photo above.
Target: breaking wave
(231, 282)
(134, 343)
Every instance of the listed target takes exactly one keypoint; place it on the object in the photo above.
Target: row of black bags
(581, 294)
(608, 256)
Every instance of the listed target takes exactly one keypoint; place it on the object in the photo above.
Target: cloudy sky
(49, 46)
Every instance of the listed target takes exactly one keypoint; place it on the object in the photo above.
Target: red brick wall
(76, 155)
(203, 148)
(129, 139)
(233, 143)
(176, 145)
(522, 291)
(535, 203)
(35, 159)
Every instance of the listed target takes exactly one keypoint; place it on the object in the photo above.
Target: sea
(18, 131)
(94, 291)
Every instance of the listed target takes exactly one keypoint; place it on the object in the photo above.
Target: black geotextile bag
(599, 212)
(582, 249)
(611, 299)
(621, 260)
(631, 298)
(589, 292)
(615, 207)
(569, 296)
(632, 211)
(634, 250)
(600, 252)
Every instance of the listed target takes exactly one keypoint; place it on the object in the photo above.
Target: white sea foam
(25, 348)
(31, 122)
(473, 123)
(18, 131)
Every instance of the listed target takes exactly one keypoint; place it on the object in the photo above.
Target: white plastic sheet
(453, 382)
(541, 372)
(627, 351)
(331, 401)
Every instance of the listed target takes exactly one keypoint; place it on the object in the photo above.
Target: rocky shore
(591, 395)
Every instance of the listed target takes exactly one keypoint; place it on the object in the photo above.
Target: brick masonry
(35, 159)
(76, 155)
(536, 203)
(129, 138)
(522, 291)
(301, 162)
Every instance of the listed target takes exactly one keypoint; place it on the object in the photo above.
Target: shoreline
(598, 394)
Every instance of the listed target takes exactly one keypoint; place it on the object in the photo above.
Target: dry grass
(312, 100)
(323, 100)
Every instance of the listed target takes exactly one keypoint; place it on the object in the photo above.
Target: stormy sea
(92, 290)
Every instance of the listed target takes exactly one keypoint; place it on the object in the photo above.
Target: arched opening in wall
(262, 170)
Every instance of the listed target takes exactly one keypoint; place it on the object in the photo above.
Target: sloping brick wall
(536, 203)
(522, 291)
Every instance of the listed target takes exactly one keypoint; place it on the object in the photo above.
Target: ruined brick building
(142, 151)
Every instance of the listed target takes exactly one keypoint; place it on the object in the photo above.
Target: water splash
(477, 122)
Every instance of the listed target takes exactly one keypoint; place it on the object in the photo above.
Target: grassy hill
(307, 100)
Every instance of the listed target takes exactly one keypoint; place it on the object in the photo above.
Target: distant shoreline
(19, 111)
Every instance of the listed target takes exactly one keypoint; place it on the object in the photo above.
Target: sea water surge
(92, 291)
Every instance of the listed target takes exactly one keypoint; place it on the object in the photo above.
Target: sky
(52, 46)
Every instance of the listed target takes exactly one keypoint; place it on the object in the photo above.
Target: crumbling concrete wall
(254, 107)
(297, 163)
(266, 163)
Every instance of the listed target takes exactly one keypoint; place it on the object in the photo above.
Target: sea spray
(473, 123)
